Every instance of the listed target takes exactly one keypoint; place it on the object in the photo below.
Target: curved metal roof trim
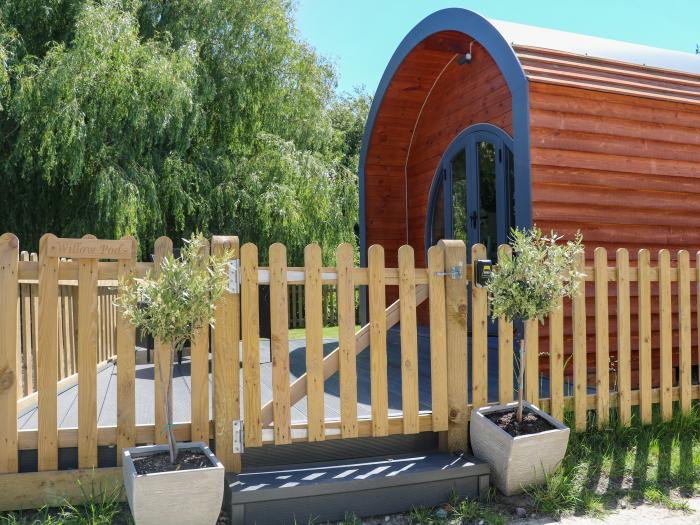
(482, 30)
(593, 46)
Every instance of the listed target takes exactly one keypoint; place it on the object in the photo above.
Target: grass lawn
(329, 332)
(604, 469)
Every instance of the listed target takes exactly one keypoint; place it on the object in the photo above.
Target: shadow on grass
(656, 463)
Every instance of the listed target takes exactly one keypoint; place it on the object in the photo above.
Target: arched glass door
(472, 197)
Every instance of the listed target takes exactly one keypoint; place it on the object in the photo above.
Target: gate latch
(454, 273)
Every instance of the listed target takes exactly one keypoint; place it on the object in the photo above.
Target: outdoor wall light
(467, 57)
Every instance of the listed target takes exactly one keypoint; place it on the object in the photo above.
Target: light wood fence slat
(250, 322)
(313, 291)
(68, 323)
(438, 338)
(409, 340)
(579, 350)
(226, 376)
(456, 309)
(624, 352)
(377, 348)
(505, 345)
(162, 354)
(279, 344)
(199, 371)
(27, 343)
(346, 342)
(644, 320)
(9, 372)
(19, 380)
(556, 361)
(602, 341)
(87, 361)
(34, 290)
(126, 365)
(47, 358)
(99, 347)
(62, 371)
(532, 360)
(479, 339)
(685, 331)
(666, 328)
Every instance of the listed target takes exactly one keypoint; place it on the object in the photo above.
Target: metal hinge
(234, 276)
(238, 436)
(455, 272)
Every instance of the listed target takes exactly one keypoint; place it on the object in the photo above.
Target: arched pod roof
(445, 25)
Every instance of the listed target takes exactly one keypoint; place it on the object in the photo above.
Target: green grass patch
(459, 511)
(657, 464)
(329, 332)
(98, 509)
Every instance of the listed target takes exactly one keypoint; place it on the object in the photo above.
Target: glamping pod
(480, 125)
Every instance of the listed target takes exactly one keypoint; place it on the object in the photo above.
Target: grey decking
(106, 386)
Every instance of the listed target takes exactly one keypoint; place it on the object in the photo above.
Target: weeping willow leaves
(163, 118)
(288, 194)
(98, 121)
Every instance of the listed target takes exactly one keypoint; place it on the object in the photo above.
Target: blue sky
(360, 36)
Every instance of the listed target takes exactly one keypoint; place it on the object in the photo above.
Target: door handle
(473, 218)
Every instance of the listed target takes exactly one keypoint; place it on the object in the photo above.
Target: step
(365, 487)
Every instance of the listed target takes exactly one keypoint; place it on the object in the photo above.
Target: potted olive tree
(520, 442)
(171, 307)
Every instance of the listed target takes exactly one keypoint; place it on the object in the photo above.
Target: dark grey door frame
(468, 140)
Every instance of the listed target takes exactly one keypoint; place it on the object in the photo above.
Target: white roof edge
(593, 46)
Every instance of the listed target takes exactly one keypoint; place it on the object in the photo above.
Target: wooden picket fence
(67, 313)
(458, 352)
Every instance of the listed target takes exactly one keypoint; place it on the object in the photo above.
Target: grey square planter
(185, 497)
(517, 462)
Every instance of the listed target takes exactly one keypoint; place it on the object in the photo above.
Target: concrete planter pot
(517, 462)
(185, 497)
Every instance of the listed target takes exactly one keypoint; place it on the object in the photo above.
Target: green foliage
(541, 272)
(156, 118)
(174, 304)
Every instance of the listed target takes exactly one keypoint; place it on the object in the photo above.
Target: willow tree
(151, 118)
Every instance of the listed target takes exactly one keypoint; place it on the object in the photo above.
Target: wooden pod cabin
(480, 125)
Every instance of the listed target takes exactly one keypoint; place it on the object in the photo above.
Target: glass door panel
(458, 170)
(488, 211)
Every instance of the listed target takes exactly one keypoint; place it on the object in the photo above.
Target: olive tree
(530, 284)
(172, 305)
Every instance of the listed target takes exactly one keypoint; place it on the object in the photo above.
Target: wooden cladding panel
(590, 73)
(624, 171)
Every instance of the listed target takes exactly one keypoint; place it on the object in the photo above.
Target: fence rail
(643, 316)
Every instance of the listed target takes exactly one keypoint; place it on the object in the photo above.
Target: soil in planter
(187, 459)
(531, 424)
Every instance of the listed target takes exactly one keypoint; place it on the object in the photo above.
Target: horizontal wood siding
(625, 171)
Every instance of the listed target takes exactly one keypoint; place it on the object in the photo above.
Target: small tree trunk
(165, 394)
(521, 381)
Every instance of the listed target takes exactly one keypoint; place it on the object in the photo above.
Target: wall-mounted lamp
(467, 57)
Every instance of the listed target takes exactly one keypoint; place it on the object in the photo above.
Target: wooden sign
(90, 248)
